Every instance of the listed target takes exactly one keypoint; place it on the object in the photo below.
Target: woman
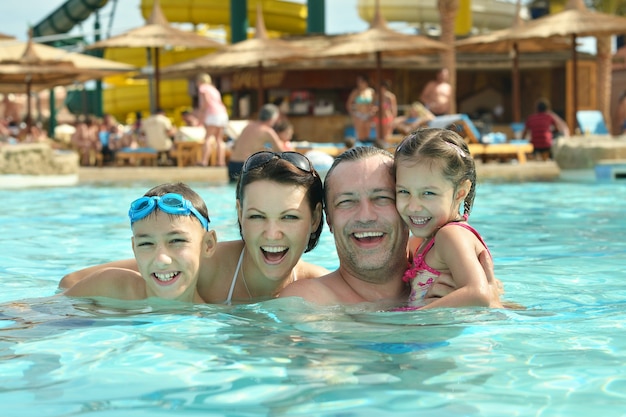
(388, 109)
(360, 106)
(214, 117)
(417, 116)
(279, 208)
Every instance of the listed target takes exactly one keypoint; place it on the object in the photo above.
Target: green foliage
(616, 7)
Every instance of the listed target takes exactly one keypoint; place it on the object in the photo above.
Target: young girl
(435, 177)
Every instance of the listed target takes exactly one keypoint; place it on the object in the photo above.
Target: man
(189, 119)
(540, 126)
(255, 137)
(437, 94)
(370, 236)
(158, 132)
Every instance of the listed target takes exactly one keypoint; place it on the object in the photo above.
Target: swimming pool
(559, 249)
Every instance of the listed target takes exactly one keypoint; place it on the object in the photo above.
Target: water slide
(481, 14)
(290, 18)
(123, 95)
(126, 96)
(66, 16)
(279, 15)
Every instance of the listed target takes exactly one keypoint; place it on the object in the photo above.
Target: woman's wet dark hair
(284, 172)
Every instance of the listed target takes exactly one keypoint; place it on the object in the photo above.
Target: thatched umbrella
(380, 40)
(499, 42)
(573, 22)
(157, 33)
(40, 66)
(250, 53)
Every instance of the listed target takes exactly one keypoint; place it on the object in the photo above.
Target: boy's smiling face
(168, 250)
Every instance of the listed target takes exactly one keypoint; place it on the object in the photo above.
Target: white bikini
(232, 284)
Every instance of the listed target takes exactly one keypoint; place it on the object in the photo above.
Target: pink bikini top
(419, 261)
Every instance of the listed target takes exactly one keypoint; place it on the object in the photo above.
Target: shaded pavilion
(157, 33)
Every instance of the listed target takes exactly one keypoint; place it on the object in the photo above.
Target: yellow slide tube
(124, 96)
(281, 16)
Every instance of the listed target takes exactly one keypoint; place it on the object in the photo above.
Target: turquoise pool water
(559, 249)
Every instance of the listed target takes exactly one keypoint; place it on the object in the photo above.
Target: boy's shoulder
(120, 283)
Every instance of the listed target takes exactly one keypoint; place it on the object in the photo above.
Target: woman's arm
(350, 101)
(394, 105)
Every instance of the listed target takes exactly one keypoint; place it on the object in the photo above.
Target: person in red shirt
(541, 126)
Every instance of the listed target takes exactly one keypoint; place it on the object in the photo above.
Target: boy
(171, 235)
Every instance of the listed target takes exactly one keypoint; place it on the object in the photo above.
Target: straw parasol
(379, 40)
(155, 34)
(573, 22)
(41, 66)
(3, 36)
(250, 53)
(498, 42)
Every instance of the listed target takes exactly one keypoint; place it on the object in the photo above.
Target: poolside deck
(493, 171)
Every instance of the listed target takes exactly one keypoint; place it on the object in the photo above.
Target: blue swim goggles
(170, 203)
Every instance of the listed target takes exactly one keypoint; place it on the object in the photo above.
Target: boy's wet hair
(185, 191)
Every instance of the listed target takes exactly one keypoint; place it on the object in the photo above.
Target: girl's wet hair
(447, 147)
(182, 189)
(282, 171)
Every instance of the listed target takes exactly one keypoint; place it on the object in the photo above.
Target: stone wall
(583, 152)
(37, 159)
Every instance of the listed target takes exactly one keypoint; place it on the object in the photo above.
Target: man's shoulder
(251, 127)
(316, 290)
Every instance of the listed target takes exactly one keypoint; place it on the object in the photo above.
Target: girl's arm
(458, 249)
(444, 284)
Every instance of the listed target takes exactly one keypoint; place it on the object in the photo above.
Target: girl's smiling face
(276, 222)
(425, 199)
(168, 249)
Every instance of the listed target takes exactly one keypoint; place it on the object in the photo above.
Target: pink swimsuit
(421, 275)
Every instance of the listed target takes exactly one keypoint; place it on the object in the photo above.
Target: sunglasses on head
(262, 158)
(170, 203)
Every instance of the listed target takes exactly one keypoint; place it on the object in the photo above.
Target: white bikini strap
(232, 285)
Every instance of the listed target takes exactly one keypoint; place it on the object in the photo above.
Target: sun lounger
(136, 156)
(591, 122)
(462, 122)
(188, 145)
(478, 147)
